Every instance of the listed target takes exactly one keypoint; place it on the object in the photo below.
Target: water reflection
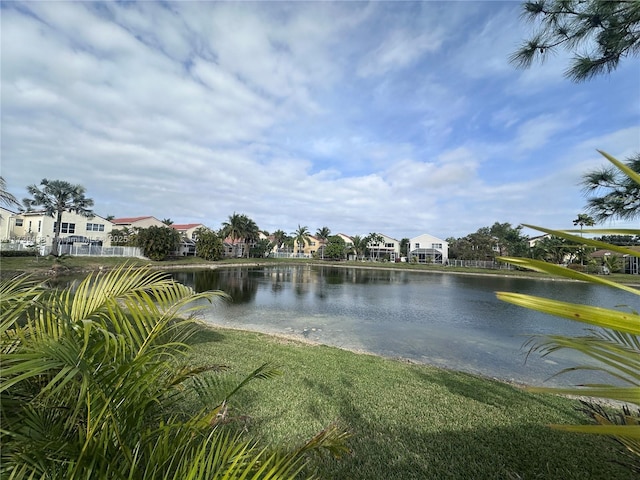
(453, 321)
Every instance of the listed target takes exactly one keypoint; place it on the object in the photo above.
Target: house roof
(129, 219)
(186, 226)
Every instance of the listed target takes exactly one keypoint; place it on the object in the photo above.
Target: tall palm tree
(323, 234)
(5, 197)
(233, 228)
(375, 239)
(301, 236)
(360, 246)
(167, 221)
(584, 220)
(251, 232)
(57, 197)
(279, 237)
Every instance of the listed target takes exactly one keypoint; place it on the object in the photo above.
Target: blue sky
(395, 117)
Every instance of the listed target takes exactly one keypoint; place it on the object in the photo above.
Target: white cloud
(400, 118)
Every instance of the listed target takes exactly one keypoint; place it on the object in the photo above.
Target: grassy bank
(43, 266)
(408, 421)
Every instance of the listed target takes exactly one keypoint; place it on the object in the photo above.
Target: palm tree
(93, 379)
(584, 220)
(5, 197)
(279, 237)
(57, 197)
(301, 236)
(375, 239)
(323, 234)
(234, 229)
(251, 232)
(360, 246)
(167, 221)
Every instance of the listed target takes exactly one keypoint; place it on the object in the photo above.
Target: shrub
(93, 379)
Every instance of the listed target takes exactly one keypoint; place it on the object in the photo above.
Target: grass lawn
(408, 421)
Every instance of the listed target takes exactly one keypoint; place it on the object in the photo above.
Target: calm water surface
(447, 320)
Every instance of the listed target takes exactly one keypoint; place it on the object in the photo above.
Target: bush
(94, 378)
(19, 253)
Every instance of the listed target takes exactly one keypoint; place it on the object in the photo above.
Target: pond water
(448, 320)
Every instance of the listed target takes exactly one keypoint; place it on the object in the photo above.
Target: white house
(388, 248)
(188, 236)
(38, 228)
(426, 248)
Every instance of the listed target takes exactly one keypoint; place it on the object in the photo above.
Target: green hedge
(18, 253)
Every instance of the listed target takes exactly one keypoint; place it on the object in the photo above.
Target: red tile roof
(187, 226)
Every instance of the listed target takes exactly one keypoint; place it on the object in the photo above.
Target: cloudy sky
(394, 117)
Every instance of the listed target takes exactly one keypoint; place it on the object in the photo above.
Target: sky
(399, 118)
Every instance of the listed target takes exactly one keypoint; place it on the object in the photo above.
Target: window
(388, 245)
(312, 244)
(436, 245)
(66, 227)
(39, 226)
(94, 227)
(19, 222)
(417, 245)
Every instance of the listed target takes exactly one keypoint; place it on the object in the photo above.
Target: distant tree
(323, 234)
(373, 241)
(279, 238)
(584, 220)
(606, 31)
(620, 240)
(510, 240)
(300, 237)
(234, 228)
(616, 195)
(124, 237)
(209, 246)
(157, 243)
(261, 248)
(554, 250)
(251, 233)
(108, 218)
(167, 221)
(360, 246)
(57, 197)
(475, 246)
(405, 247)
(5, 197)
(336, 248)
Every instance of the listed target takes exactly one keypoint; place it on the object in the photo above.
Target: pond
(448, 320)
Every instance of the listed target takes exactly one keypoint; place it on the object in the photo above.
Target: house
(347, 240)
(136, 222)
(5, 223)
(188, 236)
(188, 230)
(628, 263)
(38, 228)
(426, 248)
(533, 241)
(387, 249)
(310, 246)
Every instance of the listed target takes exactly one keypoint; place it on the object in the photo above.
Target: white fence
(77, 250)
(289, 255)
(480, 264)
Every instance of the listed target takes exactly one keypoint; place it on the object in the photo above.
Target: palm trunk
(56, 235)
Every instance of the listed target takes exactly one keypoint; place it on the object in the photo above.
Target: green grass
(408, 421)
